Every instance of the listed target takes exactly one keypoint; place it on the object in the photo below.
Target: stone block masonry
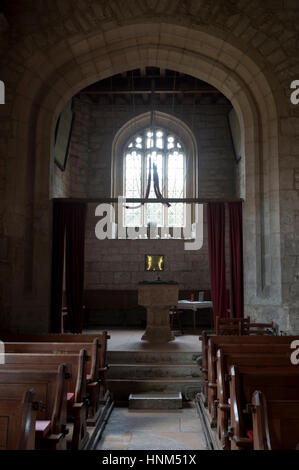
(51, 50)
(119, 264)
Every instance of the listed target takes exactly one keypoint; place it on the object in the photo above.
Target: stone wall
(208, 123)
(247, 49)
(73, 182)
(119, 264)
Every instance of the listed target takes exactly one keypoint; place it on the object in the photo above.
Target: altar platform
(137, 366)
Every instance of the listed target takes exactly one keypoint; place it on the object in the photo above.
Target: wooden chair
(231, 326)
(243, 326)
(262, 329)
(64, 317)
(175, 319)
(18, 417)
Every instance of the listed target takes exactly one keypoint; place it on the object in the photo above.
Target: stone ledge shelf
(155, 401)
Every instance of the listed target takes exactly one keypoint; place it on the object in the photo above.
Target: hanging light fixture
(152, 168)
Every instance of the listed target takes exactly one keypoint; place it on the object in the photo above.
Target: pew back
(275, 423)
(242, 344)
(75, 364)
(17, 422)
(60, 338)
(281, 383)
(50, 390)
(238, 341)
(251, 361)
(61, 349)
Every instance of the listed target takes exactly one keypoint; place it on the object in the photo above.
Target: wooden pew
(209, 357)
(268, 346)
(62, 338)
(50, 389)
(94, 375)
(76, 385)
(280, 383)
(71, 338)
(17, 422)
(250, 358)
(275, 423)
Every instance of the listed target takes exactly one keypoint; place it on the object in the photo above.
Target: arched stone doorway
(52, 78)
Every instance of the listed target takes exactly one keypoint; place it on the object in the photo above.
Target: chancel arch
(207, 56)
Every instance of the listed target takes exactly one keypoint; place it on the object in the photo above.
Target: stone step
(155, 401)
(153, 357)
(147, 371)
(122, 388)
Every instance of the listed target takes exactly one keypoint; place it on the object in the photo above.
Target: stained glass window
(148, 148)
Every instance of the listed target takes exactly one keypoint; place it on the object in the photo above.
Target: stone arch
(52, 78)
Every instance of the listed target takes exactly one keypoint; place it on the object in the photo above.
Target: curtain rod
(113, 200)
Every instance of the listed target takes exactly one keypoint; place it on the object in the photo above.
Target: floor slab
(125, 339)
(153, 430)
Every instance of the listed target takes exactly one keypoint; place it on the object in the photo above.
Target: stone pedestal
(157, 298)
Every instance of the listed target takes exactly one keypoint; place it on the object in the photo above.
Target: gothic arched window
(154, 162)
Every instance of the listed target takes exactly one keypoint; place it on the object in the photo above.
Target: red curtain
(216, 238)
(74, 269)
(68, 234)
(236, 260)
(59, 220)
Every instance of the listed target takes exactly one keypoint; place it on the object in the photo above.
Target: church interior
(149, 230)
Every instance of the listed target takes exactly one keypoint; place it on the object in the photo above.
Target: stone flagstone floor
(153, 430)
(129, 339)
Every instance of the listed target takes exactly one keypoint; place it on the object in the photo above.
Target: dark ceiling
(143, 85)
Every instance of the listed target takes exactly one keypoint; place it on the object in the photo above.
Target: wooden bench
(238, 341)
(252, 360)
(102, 338)
(76, 385)
(267, 346)
(17, 422)
(93, 376)
(50, 389)
(275, 423)
(280, 383)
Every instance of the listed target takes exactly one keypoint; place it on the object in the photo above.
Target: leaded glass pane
(133, 217)
(176, 177)
(154, 212)
(166, 152)
(133, 185)
(176, 215)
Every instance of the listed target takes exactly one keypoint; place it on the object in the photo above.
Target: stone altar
(157, 297)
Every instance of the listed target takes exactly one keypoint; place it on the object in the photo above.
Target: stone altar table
(157, 297)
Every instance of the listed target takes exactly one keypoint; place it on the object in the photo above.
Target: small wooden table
(195, 306)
